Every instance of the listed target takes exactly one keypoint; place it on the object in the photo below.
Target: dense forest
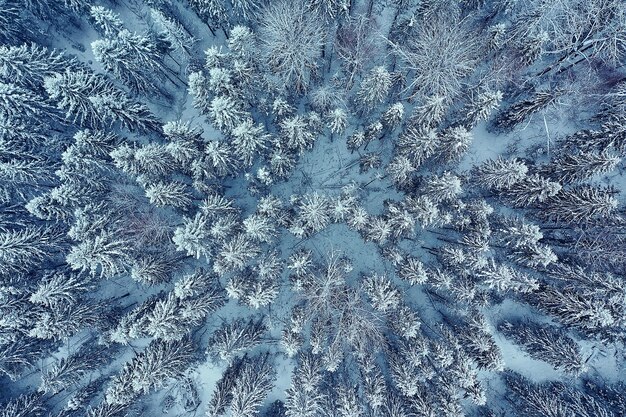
(312, 208)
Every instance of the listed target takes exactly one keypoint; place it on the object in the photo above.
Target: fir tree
(374, 87)
(59, 288)
(173, 194)
(239, 335)
(577, 168)
(454, 143)
(72, 91)
(582, 204)
(131, 57)
(253, 384)
(546, 343)
(102, 255)
(106, 20)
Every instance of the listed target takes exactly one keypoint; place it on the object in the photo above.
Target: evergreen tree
(172, 31)
(26, 405)
(193, 236)
(374, 87)
(133, 58)
(225, 114)
(152, 368)
(531, 190)
(253, 384)
(382, 293)
(481, 107)
(106, 20)
(237, 336)
(16, 102)
(72, 91)
(173, 194)
(582, 204)
(444, 188)
(547, 343)
(519, 111)
(249, 140)
(21, 249)
(116, 107)
(500, 174)
(29, 64)
(454, 143)
(59, 288)
(102, 255)
(580, 167)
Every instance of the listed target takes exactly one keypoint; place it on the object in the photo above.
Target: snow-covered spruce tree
(106, 21)
(547, 343)
(337, 120)
(393, 115)
(225, 113)
(418, 144)
(579, 167)
(29, 64)
(172, 31)
(445, 188)
(400, 219)
(253, 384)
(400, 169)
(383, 294)
(374, 384)
(588, 315)
(500, 173)
(430, 112)
(412, 271)
(60, 288)
(175, 194)
(63, 321)
(193, 236)
(234, 337)
(221, 157)
(152, 268)
(313, 213)
(481, 107)
(454, 143)
(379, 230)
(133, 58)
(297, 134)
(503, 278)
(25, 405)
(249, 140)
(304, 397)
(259, 228)
(117, 107)
(66, 371)
(369, 161)
(581, 204)
(235, 253)
(16, 102)
(519, 111)
(374, 88)
(21, 249)
(72, 91)
(152, 368)
(291, 41)
(103, 254)
(531, 190)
